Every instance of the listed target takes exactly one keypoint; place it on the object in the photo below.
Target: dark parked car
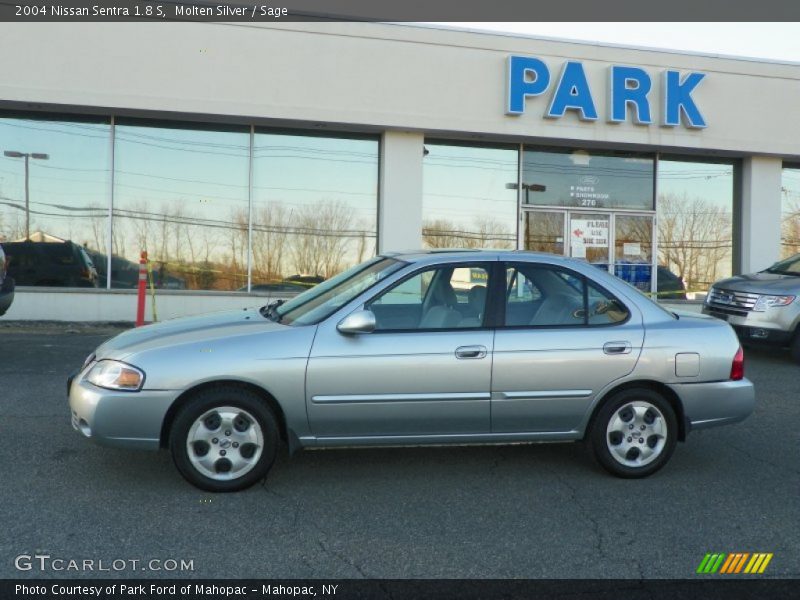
(284, 287)
(306, 280)
(125, 274)
(670, 286)
(6, 285)
(59, 264)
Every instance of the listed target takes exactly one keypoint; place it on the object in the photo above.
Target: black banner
(242, 11)
(227, 589)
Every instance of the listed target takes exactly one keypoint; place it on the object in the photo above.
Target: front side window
(442, 297)
(546, 296)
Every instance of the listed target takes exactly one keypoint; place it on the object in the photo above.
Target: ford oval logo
(589, 180)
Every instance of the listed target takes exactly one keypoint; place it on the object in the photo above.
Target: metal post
(250, 211)
(27, 202)
(110, 243)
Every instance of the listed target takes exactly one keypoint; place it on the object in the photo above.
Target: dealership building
(252, 159)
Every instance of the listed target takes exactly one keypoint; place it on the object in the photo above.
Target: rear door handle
(617, 347)
(471, 352)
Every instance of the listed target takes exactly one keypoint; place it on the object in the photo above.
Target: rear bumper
(717, 403)
(6, 295)
(119, 419)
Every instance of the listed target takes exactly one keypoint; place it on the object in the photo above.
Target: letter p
(526, 77)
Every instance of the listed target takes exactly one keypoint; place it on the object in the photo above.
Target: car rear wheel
(634, 433)
(224, 439)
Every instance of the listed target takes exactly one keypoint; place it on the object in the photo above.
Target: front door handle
(471, 352)
(617, 347)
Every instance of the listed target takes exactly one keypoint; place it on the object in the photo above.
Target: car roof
(469, 254)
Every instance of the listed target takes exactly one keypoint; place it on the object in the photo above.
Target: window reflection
(56, 235)
(469, 196)
(314, 206)
(695, 221)
(181, 193)
(583, 179)
(790, 212)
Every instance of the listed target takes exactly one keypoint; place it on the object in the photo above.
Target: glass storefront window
(790, 211)
(56, 232)
(695, 221)
(469, 196)
(315, 203)
(587, 179)
(181, 193)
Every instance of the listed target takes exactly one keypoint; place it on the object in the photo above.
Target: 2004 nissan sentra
(424, 348)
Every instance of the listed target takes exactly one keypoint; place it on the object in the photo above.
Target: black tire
(217, 397)
(795, 348)
(600, 441)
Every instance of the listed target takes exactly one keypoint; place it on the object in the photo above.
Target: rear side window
(549, 296)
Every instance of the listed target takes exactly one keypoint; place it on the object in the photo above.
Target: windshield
(320, 302)
(790, 266)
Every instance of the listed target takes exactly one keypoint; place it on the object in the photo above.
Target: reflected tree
(694, 239)
(790, 228)
(482, 233)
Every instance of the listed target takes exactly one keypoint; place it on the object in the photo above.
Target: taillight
(737, 368)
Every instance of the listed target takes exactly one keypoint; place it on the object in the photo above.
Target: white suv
(764, 307)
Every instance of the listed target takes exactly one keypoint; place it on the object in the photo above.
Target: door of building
(618, 241)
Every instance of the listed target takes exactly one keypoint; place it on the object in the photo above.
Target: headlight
(765, 302)
(115, 375)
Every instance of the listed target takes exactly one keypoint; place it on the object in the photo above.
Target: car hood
(762, 283)
(186, 329)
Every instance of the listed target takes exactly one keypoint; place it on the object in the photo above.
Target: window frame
(489, 311)
(500, 318)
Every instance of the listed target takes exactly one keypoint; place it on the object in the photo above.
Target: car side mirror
(361, 321)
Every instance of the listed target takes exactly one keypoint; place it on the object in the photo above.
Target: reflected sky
(68, 192)
(467, 201)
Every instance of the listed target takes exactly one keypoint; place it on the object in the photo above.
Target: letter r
(629, 86)
(518, 86)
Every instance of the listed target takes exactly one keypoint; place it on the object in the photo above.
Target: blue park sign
(628, 89)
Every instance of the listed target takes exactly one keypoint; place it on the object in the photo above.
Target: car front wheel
(224, 439)
(795, 349)
(634, 433)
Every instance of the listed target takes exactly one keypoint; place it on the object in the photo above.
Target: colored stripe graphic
(711, 562)
(726, 568)
(734, 563)
(767, 558)
(740, 564)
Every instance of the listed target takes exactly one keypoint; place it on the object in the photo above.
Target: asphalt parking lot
(507, 512)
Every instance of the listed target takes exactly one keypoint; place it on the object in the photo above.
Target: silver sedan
(434, 347)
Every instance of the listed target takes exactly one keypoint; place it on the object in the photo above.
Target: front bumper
(716, 403)
(775, 326)
(120, 419)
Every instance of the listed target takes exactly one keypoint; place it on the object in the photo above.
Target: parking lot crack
(748, 454)
(596, 530)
